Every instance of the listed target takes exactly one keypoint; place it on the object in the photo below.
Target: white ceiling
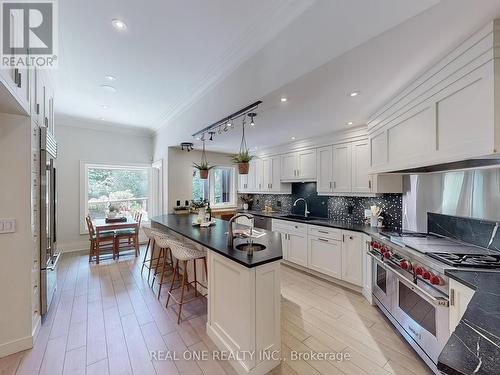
(171, 52)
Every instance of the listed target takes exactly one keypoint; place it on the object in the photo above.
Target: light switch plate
(7, 226)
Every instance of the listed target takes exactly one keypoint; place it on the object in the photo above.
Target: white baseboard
(16, 346)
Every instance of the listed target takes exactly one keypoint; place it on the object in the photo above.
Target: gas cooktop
(491, 261)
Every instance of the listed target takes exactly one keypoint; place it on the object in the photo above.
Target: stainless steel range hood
(453, 166)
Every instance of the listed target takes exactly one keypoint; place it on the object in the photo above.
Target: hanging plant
(243, 157)
(203, 167)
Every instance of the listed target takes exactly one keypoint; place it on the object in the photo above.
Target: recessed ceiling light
(350, 123)
(119, 24)
(101, 118)
(108, 88)
(104, 106)
(283, 99)
(293, 138)
(354, 93)
(109, 78)
(198, 138)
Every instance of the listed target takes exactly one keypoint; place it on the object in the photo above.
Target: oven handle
(438, 301)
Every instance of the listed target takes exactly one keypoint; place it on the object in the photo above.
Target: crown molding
(81, 123)
(271, 21)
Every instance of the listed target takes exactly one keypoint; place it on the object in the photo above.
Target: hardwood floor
(106, 320)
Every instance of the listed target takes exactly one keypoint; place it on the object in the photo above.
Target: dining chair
(128, 238)
(104, 241)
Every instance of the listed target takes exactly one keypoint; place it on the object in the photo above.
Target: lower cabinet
(460, 296)
(333, 252)
(352, 257)
(297, 250)
(325, 256)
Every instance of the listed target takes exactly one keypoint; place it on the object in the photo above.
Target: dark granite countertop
(474, 346)
(215, 238)
(324, 222)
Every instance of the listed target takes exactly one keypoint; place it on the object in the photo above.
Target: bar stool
(164, 259)
(185, 253)
(148, 263)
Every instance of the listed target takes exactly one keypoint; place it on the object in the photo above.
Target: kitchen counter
(215, 238)
(324, 222)
(474, 347)
(244, 294)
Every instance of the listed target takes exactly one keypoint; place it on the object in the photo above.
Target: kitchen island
(243, 317)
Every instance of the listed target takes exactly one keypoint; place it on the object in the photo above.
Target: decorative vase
(245, 206)
(203, 174)
(201, 215)
(243, 168)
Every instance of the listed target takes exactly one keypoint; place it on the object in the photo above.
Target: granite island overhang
(244, 295)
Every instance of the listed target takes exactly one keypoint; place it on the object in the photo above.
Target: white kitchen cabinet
(258, 172)
(342, 168)
(297, 249)
(352, 257)
(264, 176)
(243, 183)
(361, 181)
(272, 175)
(324, 165)
(325, 256)
(460, 296)
(299, 166)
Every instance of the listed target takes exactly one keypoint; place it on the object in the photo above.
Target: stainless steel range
(410, 286)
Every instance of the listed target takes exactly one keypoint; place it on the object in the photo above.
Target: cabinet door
(460, 296)
(342, 168)
(259, 174)
(307, 164)
(275, 173)
(267, 173)
(324, 166)
(325, 256)
(361, 180)
(251, 177)
(297, 250)
(289, 166)
(285, 245)
(352, 258)
(242, 182)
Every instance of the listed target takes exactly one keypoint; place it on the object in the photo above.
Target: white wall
(16, 249)
(100, 146)
(180, 173)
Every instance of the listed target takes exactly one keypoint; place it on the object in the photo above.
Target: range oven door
(382, 283)
(423, 313)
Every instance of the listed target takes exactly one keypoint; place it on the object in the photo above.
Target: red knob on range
(419, 270)
(426, 275)
(387, 254)
(372, 244)
(376, 245)
(404, 264)
(435, 280)
(383, 250)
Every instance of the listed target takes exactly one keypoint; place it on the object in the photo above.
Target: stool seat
(182, 252)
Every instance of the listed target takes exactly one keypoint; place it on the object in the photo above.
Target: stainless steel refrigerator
(49, 256)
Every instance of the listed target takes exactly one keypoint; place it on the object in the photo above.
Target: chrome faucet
(230, 235)
(306, 211)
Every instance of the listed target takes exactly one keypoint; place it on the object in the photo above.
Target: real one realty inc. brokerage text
(246, 355)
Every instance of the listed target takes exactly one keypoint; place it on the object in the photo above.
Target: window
(126, 187)
(219, 188)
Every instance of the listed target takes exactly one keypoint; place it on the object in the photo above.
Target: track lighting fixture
(188, 146)
(252, 115)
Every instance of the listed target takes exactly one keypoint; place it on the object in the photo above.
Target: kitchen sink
(250, 247)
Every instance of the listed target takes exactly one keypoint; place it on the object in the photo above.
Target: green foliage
(242, 157)
(123, 184)
(203, 166)
(198, 203)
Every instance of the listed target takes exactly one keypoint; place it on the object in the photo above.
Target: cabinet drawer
(331, 233)
(285, 226)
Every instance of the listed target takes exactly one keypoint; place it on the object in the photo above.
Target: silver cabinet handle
(370, 184)
(322, 231)
(452, 297)
(323, 239)
(16, 75)
(37, 108)
(19, 80)
(334, 184)
(330, 184)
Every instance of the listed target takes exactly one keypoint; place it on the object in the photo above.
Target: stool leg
(151, 257)
(156, 266)
(181, 302)
(195, 280)
(176, 270)
(162, 275)
(145, 255)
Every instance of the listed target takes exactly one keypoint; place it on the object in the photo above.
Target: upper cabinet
(450, 113)
(263, 177)
(344, 169)
(299, 166)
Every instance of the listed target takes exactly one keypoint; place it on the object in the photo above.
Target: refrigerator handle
(54, 265)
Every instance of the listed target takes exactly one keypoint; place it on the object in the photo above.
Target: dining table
(101, 225)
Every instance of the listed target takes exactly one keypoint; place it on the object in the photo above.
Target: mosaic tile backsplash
(348, 209)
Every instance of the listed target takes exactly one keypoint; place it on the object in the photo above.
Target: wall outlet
(7, 226)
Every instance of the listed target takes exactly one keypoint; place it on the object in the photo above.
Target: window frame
(84, 196)
(211, 188)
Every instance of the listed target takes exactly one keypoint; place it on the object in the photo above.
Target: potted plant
(203, 167)
(242, 159)
(247, 201)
